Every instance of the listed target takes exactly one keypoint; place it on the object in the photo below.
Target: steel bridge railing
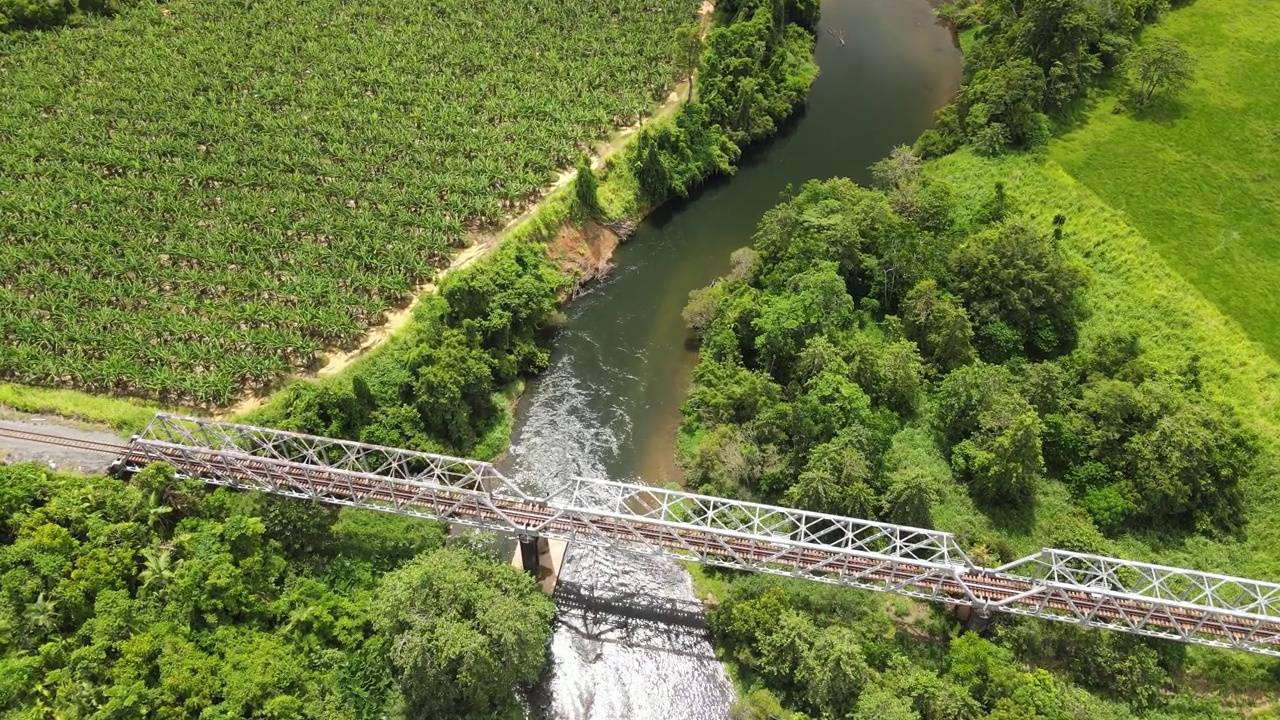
(1135, 597)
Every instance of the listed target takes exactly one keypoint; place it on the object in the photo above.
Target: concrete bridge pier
(973, 619)
(541, 558)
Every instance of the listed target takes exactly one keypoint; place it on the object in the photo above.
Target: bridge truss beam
(1096, 591)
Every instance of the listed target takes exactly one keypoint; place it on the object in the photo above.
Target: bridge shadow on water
(664, 624)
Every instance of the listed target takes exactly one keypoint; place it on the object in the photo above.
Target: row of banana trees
(197, 198)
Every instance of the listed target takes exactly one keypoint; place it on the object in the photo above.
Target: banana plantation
(197, 197)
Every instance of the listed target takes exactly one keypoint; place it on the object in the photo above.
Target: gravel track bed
(60, 458)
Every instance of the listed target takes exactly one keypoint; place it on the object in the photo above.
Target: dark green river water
(609, 405)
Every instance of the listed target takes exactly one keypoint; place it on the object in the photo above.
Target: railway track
(640, 526)
(978, 587)
(114, 449)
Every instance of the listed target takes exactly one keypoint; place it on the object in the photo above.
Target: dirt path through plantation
(335, 361)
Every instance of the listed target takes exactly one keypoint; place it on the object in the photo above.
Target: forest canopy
(1033, 61)
(896, 353)
(865, 320)
(157, 598)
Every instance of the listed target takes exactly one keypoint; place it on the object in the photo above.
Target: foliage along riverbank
(928, 355)
(1045, 379)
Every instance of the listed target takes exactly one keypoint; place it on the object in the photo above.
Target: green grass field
(1200, 177)
(197, 197)
(1177, 214)
(1133, 286)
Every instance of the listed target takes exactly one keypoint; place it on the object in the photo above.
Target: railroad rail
(114, 449)
(1142, 598)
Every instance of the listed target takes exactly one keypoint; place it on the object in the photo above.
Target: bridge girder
(1097, 591)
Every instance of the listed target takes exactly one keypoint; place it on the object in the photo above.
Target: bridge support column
(529, 554)
(117, 469)
(973, 619)
(541, 558)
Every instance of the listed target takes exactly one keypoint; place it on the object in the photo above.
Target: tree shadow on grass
(1076, 115)
(1160, 110)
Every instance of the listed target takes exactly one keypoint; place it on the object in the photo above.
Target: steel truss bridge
(1092, 590)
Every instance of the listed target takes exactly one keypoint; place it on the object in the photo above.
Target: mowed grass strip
(1132, 287)
(197, 197)
(1200, 177)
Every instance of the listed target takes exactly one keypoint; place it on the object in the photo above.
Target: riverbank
(621, 363)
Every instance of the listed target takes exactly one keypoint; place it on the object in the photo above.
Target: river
(609, 405)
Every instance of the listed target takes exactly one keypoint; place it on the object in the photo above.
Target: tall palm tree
(158, 567)
(43, 613)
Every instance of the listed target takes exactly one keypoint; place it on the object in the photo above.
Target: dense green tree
(939, 326)
(1138, 446)
(200, 616)
(996, 206)
(882, 704)
(1128, 668)
(1190, 463)
(945, 136)
(817, 303)
(329, 409)
(1066, 39)
(754, 71)
(1021, 293)
(673, 158)
(1000, 107)
(462, 632)
(901, 167)
(824, 221)
(303, 528)
(648, 167)
(726, 458)
(1002, 462)
(988, 671)
(910, 494)
(785, 647)
(930, 205)
(1159, 65)
(452, 384)
(384, 540)
(759, 704)
(994, 431)
(831, 486)
(503, 304)
(701, 309)
(801, 12)
(835, 671)
(730, 393)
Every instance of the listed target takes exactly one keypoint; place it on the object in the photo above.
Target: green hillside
(1200, 177)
